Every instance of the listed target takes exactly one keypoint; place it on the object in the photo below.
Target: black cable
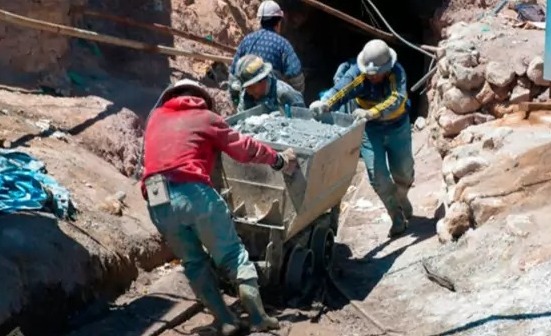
(409, 44)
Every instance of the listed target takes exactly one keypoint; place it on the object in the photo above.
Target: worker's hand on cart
(286, 162)
(368, 115)
(319, 107)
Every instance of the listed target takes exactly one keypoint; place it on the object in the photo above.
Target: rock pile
(479, 79)
(310, 134)
(492, 169)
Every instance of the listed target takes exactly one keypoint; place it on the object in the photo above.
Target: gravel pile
(310, 134)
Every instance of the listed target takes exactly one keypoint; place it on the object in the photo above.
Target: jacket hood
(186, 103)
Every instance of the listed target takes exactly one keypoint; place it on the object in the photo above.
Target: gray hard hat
(251, 69)
(376, 57)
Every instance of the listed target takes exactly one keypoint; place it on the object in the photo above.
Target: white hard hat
(269, 9)
(376, 57)
(187, 86)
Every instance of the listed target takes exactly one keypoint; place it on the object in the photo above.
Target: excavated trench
(323, 41)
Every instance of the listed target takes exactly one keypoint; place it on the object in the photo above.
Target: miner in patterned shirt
(272, 48)
(261, 87)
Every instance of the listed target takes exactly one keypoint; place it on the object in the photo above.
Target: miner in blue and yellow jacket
(377, 84)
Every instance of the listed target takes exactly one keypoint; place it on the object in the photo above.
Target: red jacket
(183, 138)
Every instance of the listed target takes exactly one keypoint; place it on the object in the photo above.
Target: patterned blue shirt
(273, 48)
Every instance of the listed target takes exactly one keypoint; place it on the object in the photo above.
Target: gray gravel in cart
(300, 133)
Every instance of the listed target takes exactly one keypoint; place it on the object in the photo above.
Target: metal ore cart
(288, 223)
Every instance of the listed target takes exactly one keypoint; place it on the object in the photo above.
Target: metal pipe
(423, 79)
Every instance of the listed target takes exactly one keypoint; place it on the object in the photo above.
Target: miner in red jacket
(182, 140)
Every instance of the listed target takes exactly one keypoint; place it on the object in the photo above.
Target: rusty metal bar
(352, 20)
(153, 27)
(19, 20)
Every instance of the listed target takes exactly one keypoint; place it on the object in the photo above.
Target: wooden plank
(23, 21)
(533, 106)
(177, 315)
(153, 27)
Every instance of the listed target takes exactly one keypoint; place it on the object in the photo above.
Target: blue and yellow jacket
(388, 99)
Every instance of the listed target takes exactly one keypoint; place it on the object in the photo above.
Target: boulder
(498, 110)
(444, 67)
(452, 124)
(462, 52)
(485, 208)
(466, 78)
(458, 219)
(467, 166)
(535, 72)
(520, 94)
(442, 231)
(499, 74)
(443, 85)
(464, 138)
(486, 95)
(481, 118)
(460, 102)
(495, 139)
(490, 94)
(520, 66)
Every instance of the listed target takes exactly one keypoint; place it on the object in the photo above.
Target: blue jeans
(198, 216)
(387, 152)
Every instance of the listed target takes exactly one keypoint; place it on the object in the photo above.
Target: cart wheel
(321, 244)
(300, 269)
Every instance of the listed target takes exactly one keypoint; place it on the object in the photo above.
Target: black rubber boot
(252, 302)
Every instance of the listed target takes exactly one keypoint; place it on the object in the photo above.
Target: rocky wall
(484, 70)
(28, 51)
(495, 169)
(491, 150)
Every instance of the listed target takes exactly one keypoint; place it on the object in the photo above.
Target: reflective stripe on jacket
(387, 99)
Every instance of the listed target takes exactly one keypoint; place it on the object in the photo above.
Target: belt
(390, 122)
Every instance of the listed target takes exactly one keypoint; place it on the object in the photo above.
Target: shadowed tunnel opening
(323, 41)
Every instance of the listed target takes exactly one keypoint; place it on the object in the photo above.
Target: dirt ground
(368, 266)
(492, 281)
(96, 256)
(385, 278)
(495, 278)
